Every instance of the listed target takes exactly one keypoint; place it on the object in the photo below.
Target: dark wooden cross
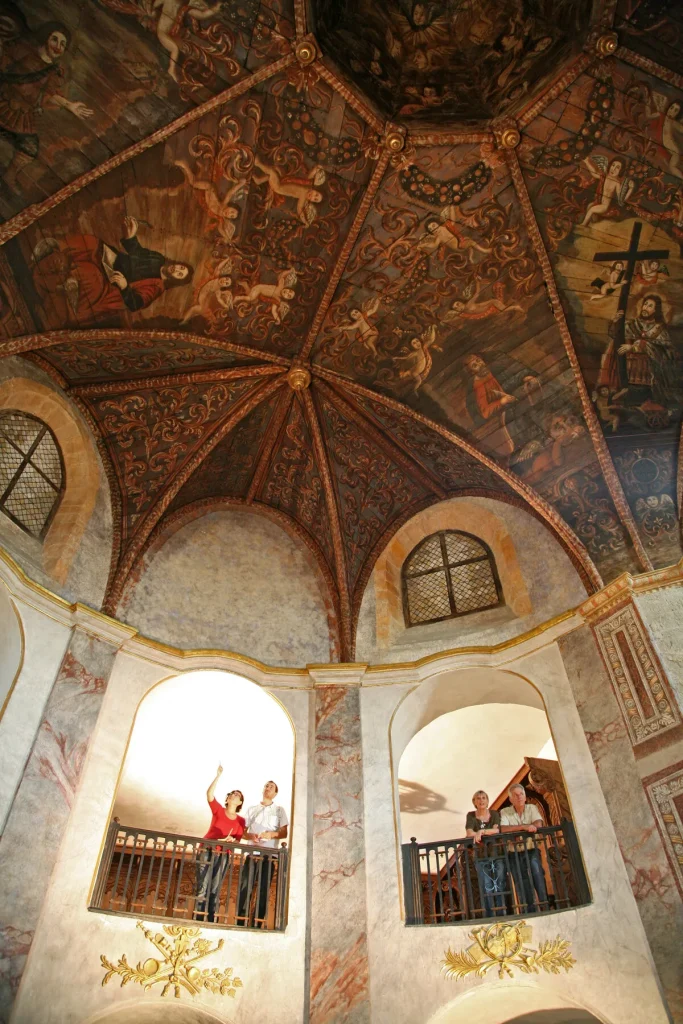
(630, 257)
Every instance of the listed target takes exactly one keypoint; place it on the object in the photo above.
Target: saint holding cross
(639, 366)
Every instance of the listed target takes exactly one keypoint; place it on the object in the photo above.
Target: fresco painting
(604, 170)
(233, 223)
(425, 61)
(82, 81)
(442, 305)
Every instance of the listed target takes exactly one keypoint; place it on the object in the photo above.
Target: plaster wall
(662, 613)
(45, 641)
(270, 965)
(86, 579)
(541, 565)
(627, 993)
(11, 645)
(232, 580)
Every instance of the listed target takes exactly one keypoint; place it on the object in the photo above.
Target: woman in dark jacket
(482, 822)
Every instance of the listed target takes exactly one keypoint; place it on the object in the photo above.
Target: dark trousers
(527, 871)
(492, 884)
(257, 871)
(211, 869)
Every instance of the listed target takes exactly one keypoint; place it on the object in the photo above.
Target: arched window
(446, 575)
(31, 472)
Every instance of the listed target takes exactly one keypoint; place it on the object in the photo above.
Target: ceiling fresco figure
(32, 82)
(626, 323)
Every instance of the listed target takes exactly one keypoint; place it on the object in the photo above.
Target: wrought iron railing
(507, 874)
(213, 882)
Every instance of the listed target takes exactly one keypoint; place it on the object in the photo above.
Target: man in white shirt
(524, 855)
(267, 823)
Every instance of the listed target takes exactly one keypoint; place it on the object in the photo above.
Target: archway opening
(210, 758)
(483, 812)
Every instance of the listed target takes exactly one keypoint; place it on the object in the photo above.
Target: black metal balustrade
(507, 874)
(165, 875)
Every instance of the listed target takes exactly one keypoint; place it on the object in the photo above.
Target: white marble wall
(271, 966)
(614, 976)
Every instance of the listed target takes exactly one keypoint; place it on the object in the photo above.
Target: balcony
(506, 875)
(209, 882)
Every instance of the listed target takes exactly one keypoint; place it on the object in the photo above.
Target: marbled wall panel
(662, 612)
(652, 880)
(41, 808)
(339, 956)
(665, 793)
(638, 679)
(232, 580)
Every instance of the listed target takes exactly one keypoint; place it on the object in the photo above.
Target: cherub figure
(664, 117)
(614, 185)
(614, 283)
(300, 189)
(359, 325)
(220, 208)
(167, 14)
(214, 292)
(468, 308)
(277, 296)
(417, 364)
(608, 412)
(445, 232)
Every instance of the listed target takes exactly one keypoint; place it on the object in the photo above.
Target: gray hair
(516, 785)
(480, 792)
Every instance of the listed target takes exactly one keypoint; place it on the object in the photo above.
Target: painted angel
(163, 17)
(616, 280)
(666, 127)
(417, 363)
(304, 190)
(470, 308)
(216, 292)
(219, 207)
(277, 296)
(445, 232)
(359, 327)
(614, 185)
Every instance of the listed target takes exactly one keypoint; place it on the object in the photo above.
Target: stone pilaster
(627, 715)
(338, 930)
(40, 811)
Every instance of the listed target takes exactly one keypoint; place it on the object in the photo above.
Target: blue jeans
(527, 871)
(211, 869)
(492, 885)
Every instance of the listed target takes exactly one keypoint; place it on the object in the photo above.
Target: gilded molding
(664, 791)
(566, 79)
(504, 946)
(597, 437)
(273, 432)
(649, 66)
(176, 968)
(621, 590)
(33, 212)
(354, 97)
(121, 387)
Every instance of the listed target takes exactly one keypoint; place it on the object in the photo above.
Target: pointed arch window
(31, 472)
(447, 575)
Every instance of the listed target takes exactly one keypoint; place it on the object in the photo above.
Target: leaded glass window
(31, 472)
(447, 575)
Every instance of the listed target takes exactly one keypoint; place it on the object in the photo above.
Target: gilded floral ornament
(177, 967)
(504, 946)
(607, 44)
(306, 50)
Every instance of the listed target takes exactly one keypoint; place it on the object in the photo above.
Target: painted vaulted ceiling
(339, 262)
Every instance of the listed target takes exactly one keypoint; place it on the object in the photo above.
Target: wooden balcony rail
(211, 882)
(508, 874)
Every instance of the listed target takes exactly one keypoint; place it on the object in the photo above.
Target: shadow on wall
(418, 799)
(554, 1017)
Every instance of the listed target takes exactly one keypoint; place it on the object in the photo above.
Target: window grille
(31, 472)
(447, 575)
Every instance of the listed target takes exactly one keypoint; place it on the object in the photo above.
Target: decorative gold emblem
(509, 138)
(177, 968)
(607, 44)
(306, 51)
(504, 946)
(299, 378)
(394, 141)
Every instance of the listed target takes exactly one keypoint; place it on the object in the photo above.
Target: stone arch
(143, 1012)
(81, 472)
(515, 1002)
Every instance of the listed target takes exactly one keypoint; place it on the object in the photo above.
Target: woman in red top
(213, 862)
